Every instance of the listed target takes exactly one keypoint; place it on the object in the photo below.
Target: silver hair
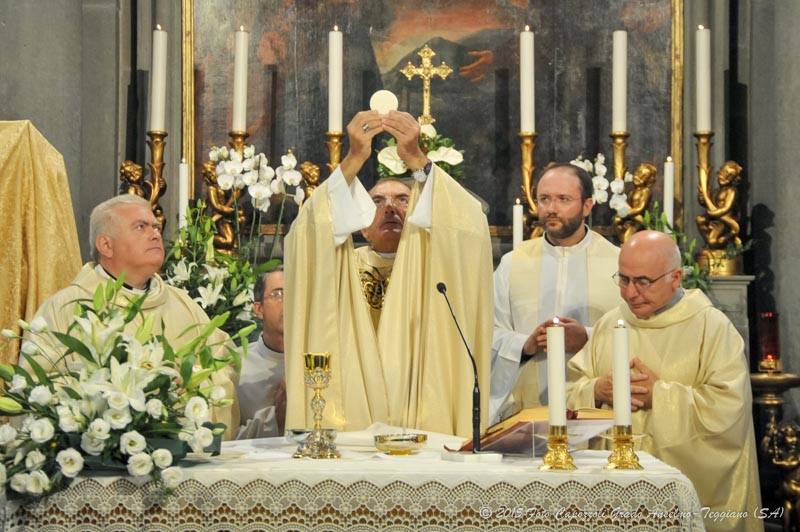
(103, 220)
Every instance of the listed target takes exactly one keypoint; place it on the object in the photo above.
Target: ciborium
(317, 376)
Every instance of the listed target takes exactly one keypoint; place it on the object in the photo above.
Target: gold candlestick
(557, 456)
(237, 142)
(618, 145)
(334, 144)
(317, 376)
(527, 145)
(622, 455)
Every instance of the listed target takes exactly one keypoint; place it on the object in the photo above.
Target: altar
(256, 485)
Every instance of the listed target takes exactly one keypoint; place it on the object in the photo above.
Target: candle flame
(669, 158)
(527, 28)
(241, 28)
(620, 323)
(335, 27)
(183, 160)
(517, 201)
(158, 27)
(700, 27)
(556, 321)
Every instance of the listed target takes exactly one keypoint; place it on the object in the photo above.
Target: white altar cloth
(256, 485)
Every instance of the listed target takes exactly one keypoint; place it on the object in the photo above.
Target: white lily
(181, 272)
(209, 295)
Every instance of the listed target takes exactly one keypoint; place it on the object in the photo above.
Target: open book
(525, 433)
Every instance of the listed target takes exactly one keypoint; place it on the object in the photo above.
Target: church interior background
(81, 76)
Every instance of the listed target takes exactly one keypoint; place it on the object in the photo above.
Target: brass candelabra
(557, 456)
(619, 142)
(622, 455)
(531, 219)
(334, 144)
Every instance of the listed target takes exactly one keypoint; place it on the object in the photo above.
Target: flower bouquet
(440, 150)
(107, 393)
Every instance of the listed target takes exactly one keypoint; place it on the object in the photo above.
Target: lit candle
(621, 368)
(619, 82)
(183, 193)
(669, 190)
(241, 42)
(517, 218)
(556, 375)
(158, 80)
(527, 112)
(703, 76)
(335, 90)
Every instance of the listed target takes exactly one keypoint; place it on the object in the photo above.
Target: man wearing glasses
(262, 387)
(397, 356)
(690, 386)
(565, 273)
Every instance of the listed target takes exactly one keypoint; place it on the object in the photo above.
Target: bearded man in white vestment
(397, 356)
(566, 273)
(690, 385)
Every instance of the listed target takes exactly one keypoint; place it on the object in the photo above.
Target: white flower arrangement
(110, 398)
(598, 170)
(440, 150)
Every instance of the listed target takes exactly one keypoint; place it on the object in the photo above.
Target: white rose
(172, 476)
(132, 442)
(34, 460)
(197, 410)
(117, 419)
(202, 438)
(217, 393)
(162, 458)
(2, 474)
(18, 384)
(7, 434)
(19, 482)
(42, 430)
(117, 400)
(92, 445)
(38, 483)
(140, 464)
(40, 395)
(99, 429)
(154, 408)
(70, 461)
(39, 324)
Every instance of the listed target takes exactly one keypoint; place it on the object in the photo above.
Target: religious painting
(477, 105)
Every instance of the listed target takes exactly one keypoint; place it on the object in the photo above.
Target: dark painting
(477, 105)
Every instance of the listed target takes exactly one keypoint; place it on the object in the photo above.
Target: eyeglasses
(275, 295)
(641, 283)
(545, 201)
(397, 201)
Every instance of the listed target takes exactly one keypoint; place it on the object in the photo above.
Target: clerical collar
(672, 302)
(137, 291)
(568, 250)
(384, 255)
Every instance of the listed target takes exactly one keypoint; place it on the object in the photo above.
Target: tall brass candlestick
(618, 145)
(622, 455)
(527, 146)
(557, 456)
(237, 142)
(703, 150)
(157, 183)
(334, 144)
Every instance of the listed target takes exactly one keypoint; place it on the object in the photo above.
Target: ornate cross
(426, 72)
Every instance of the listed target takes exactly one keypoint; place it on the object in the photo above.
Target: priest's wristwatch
(421, 175)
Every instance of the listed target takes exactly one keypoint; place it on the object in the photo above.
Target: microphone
(476, 392)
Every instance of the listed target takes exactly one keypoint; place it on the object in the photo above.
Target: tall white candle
(619, 82)
(527, 110)
(703, 77)
(158, 80)
(622, 375)
(183, 193)
(241, 41)
(669, 190)
(517, 224)
(335, 89)
(556, 376)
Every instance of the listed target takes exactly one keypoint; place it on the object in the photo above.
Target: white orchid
(389, 158)
(600, 183)
(249, 151)
(289, 161)
(600, 196)
(618, 202)
(225, 181)
(617, 186)
(289, 176)
(276, 186)
(448, 155)
(299, 196)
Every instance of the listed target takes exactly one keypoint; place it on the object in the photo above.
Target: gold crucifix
(426, 72)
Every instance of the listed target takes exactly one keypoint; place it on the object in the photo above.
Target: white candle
(669, 190)
(622, 375)
(335, 90)
(527, 111)
(517, 221)
(183, 193)
(703, 76)
(619, 82)
(556, 376)
(158, 80)
(241, 42)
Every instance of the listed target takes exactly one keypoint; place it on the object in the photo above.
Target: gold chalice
(317, 376)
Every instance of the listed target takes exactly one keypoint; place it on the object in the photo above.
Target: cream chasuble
(414, 370)
(536, 282)
(701, 420)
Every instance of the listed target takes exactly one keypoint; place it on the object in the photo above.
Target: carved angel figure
(643, 180)
(720, 225)
(221, 203)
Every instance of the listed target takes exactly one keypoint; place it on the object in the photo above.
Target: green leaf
(98, 300)
(41, 375)
(74, 345)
